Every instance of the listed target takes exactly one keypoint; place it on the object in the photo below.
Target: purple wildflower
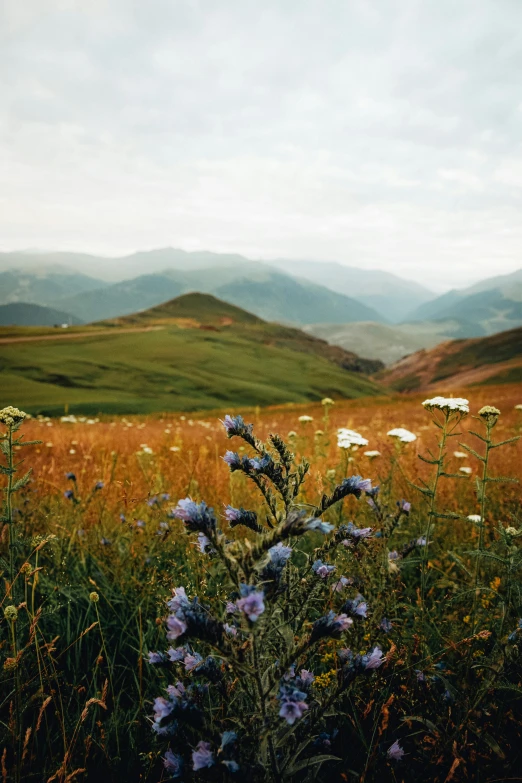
(251, 604)
(177, 653)
(198, 517)
(330, 625)
(239, 516)
(157, 658)
(203, 543)
(341, 583)
(99, 485)
(292, 703)
(319, 525)
(306, 678)
(162, 708)
(202, 757)
(357, 606)
(69, 494)
(140, 523)
(322, 569)
(176, 627)
(179, 599)
(386, 625)
(230, 629)
(230, 607)
(235, 425)
(173, 763)
(357, 533)
(191, 661)
(105, 541)
(177, 691)
(395, 751)
(122, 518)
(70, 476)
(404, 506)
(373, 660)
(234, 461)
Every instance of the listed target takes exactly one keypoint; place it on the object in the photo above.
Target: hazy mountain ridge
(29, 314)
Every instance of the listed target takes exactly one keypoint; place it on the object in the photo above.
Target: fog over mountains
(371, 312)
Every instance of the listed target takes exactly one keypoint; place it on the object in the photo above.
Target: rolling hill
(45, 287)
(27, 314)
(457, 363)
(192, 353)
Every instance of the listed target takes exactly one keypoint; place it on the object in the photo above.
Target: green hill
(192, 353)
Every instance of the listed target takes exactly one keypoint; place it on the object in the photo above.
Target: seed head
(10, 613)
(94, 597)
(489, 414)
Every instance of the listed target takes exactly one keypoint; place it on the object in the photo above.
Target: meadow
(97, 547)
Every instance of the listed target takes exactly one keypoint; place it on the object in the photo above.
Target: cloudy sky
(379, 133)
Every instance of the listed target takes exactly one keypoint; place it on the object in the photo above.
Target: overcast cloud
(379, 133)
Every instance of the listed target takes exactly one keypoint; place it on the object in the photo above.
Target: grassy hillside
(457, 363)
(195, 359)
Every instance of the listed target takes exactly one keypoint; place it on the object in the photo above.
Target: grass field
(86, 687)
(183, 363)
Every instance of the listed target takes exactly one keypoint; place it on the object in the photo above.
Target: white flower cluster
(405, 436)
(448, 404)
(348, 438)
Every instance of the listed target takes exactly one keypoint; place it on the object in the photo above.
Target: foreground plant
(253, 651)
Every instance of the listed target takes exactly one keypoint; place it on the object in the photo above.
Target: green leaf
(309, 763)
(504, 442)
(472, 451)
(22, 481)
(500, 479)
(493, 744)
(428, 461)
(425, 722)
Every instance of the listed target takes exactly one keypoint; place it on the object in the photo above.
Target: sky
(378, 133)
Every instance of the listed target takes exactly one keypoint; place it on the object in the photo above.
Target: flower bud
(94, 597)
(10, 613)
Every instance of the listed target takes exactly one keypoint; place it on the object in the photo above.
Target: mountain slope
(199, 353)
(453, 364)
(492, 305)
(392, 296)
(28, 314)
(263, 291)
(44, 286)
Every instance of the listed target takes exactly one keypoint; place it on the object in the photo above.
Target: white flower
(474, 518)
(174, 448)
(327, 401)
(518, 407)
(448, 404)
(460, 454)
(466, 470)
(405, 436)
(304, 419)
(372, 454)
(347, 438)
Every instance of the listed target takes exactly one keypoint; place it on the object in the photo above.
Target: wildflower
(191, 661)
(341, 583)
(230, 629)
(176, 627)
(173, 763)
(251, 603)
(162, 708)
(330, 625)
(512, 531)
(70, 476)
(372, 454)
(157, 658)
(202, 757)
(105, 541)
(94, 597)
(347, 438)
(322, 569)
(292, 434)
(204, 543)
(235, 425)
(373, 660)
(353, 485)
(140, 523)
(292, 703)
(327, 401)
(356, 533)
(261, 465)
(197, 517)
(238, 516)
(468, 471)
(235, 462)
(99, 485)
(385, 625)
(69, 494)
(357, 606)
(404, 506)
(460, 454)
(305, 419)
(489, 414)
(475, 518)
(395, 751)
(319, 525)
(404, 436)
(279, 553)
(448, 404)
(421, 541)
(177, 654)
(12, 416)
(11, 613)
(230, 607)
(518, 407)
